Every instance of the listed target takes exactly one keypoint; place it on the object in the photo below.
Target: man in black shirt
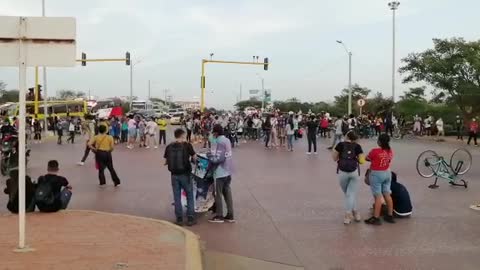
(52, 186)
(7, 129)
(312, 127)
(177, 158)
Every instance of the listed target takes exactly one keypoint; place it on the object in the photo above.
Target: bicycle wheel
(427, 163)
(462, 156)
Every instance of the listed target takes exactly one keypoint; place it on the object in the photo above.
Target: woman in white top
(274, 131)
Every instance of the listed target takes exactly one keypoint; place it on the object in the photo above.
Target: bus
(145, 105)
(59, 108)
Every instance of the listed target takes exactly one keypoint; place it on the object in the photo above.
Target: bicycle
(430, 164)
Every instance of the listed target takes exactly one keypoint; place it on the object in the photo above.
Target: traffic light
(127, 59)
(84, 58)
(265, 63)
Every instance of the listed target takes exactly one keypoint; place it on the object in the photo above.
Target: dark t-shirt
(56, 182)
(340, 146)
(312, 127)
(401, 198)
(189, 150)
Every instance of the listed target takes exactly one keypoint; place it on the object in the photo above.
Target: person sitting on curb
(402, 206)
(53, 192)
(11, 190)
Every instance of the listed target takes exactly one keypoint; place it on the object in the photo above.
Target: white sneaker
(356, 216)
(308, 153)
(80, 163)
(156, 146)
(475, 207)
(348, 219)
(147, 147)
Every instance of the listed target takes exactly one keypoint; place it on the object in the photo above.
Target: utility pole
(393, 6)
(45, 107)
(350, 90)
(149, 90)
(240, 97)
(131, 86)
(263, 94)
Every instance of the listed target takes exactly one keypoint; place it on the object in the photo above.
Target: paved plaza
(289, 207)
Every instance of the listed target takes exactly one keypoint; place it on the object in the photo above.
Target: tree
(3, 86)
(241, 105)
(451, 67)
(341, 101)
(416, 93)
(66, 94)
(8, 96)
(378, 105)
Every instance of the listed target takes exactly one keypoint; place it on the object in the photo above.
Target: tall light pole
(45, 107)
(131, 81)
(393, 6)
(262, 81)
(349, 75)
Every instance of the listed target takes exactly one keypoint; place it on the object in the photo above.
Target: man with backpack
(341, 128)
(177, 158)
(53, 192)
(11, 190)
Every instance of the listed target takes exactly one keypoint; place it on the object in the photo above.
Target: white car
(176, 119)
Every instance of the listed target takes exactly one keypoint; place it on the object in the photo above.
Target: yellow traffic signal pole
(36, 92)
(265, 64)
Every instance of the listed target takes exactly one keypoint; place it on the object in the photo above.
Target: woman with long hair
(349, 155)
(380, 179)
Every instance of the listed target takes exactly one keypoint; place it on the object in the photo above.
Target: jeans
(85, 154)
(189, 135)
(459, 134)
(163, 137)
(349, 184)
(124, 135)
(290, 142)
(312, 139)
(72, 137)
(184, 182)
(223, 191)
(380, 182)
(104, 160)
(65, 197)
(267, 137)
(336, 139)
(472, 135)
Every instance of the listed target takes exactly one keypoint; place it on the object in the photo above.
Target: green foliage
(241, 105)
(358, 92)
(66, 94)
(452, 67)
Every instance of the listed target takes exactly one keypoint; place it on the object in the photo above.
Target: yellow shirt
(102, 142)
(162, 123)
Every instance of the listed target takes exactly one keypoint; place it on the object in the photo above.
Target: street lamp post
(45, 107)
(131, 81)
(393, 6)
(349, 76)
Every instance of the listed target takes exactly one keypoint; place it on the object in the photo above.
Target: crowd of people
(219, 134)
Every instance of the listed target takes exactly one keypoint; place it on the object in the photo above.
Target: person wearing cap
(473, 132)
(58, 185)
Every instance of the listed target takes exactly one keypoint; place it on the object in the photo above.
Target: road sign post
(30, 42)
(361, 102)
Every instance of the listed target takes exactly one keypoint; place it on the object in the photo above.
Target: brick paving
(87, 240)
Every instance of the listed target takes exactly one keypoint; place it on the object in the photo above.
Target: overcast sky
(171, 37)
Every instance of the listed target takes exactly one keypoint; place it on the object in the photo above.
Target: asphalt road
(289, 206)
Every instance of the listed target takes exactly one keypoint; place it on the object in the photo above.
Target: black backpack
(44, 194)
(348, 161)
(177, 159)
(345, 127)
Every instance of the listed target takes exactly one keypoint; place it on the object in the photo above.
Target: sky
(168, 39)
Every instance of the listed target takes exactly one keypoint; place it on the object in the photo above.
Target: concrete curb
(193, 255)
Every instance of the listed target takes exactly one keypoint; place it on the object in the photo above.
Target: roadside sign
(29, 42)
(361, 102)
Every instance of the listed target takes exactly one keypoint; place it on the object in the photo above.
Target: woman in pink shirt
(473, 131)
